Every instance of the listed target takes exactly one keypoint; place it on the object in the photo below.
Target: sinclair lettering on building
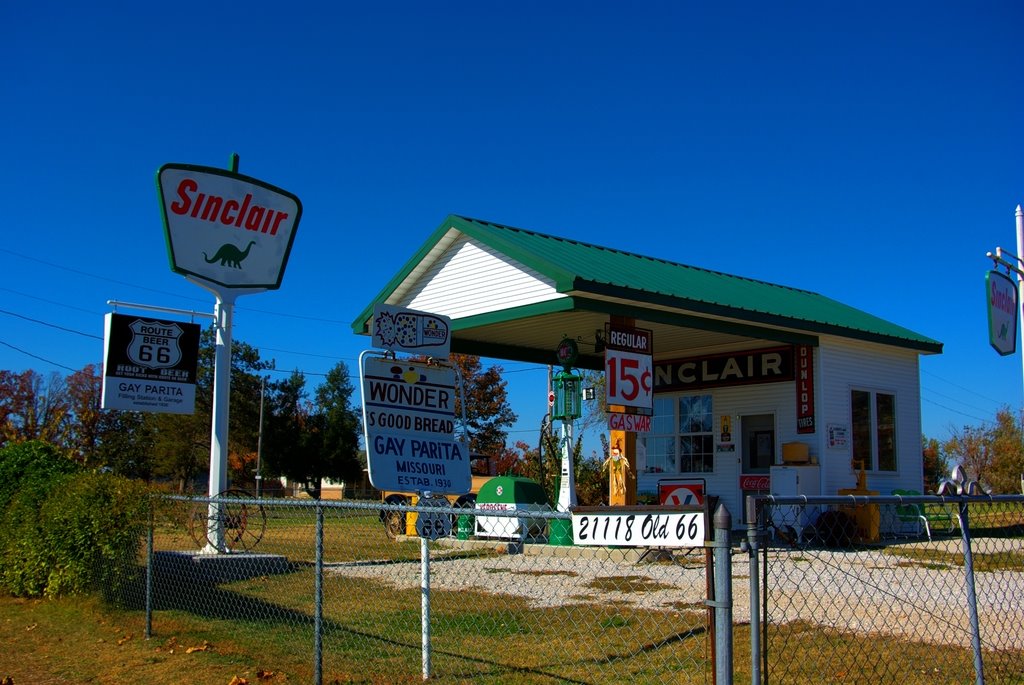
(225, 228)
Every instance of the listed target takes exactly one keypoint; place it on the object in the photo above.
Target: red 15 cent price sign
(627, 367)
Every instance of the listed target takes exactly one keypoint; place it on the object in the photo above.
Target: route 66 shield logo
(154, 344)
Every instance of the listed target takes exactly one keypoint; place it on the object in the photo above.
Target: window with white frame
(873, 434)
(682, 435)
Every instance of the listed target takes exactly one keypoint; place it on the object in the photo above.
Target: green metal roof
(591, 270)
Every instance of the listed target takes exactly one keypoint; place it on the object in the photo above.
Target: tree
(286, 419)
(182, 441)
(85, 430)
(33, 408)
(126, 445)
(992, 454)
(309, 441)
(1008, 463)
(488, 413)
(935, 466)
(970, 448)
(340, 426)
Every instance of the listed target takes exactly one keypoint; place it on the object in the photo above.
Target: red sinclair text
(216, 209)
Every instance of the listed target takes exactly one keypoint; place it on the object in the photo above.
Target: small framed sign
(1001, 299)
(232, 230)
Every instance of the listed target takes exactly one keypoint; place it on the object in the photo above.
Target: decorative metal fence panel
(892, 589)
(325, 580)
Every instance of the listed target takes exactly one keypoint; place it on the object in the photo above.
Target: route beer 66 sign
(628, 369)
(149, 364)
(225, 228)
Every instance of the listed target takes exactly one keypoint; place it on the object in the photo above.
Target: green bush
(24, 551)
(30, 461)
(63, 530)
(93, 531)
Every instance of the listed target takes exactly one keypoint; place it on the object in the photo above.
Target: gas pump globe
(566, 385)
(568, 396)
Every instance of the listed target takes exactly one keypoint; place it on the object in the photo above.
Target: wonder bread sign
(225, 228)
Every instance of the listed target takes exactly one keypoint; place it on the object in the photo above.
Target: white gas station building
(751, 380)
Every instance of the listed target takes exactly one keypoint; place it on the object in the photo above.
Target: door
(757, 447)
(758, 440)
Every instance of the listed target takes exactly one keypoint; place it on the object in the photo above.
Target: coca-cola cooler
(752, 484)
(793, 481)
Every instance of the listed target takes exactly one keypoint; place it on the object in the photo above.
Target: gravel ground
(866, 591)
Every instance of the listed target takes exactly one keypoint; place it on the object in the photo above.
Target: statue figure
(617, 467)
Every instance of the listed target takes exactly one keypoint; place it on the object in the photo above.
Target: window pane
(664, 421)
(860, 402)
(885, 411)
(695, 414)
(661, 455)
(695, 454)
(696, 440)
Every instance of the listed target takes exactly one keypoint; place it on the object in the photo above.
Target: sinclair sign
(225, 228)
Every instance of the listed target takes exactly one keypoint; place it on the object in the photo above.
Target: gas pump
(568, 406)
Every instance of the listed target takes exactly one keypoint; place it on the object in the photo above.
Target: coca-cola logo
(757, 482)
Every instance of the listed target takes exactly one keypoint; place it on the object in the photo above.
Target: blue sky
(870, 152)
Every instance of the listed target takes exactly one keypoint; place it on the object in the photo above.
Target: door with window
(757, 447)
(758, 438)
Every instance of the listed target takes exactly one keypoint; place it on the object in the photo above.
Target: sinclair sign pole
(229, 234)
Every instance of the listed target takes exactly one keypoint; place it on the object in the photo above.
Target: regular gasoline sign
(409, 428)
(226, 228)
(149, 364)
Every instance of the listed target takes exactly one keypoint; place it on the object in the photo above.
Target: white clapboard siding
(471, 279)
(865, 366)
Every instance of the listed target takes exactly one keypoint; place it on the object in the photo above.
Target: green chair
(917, 513)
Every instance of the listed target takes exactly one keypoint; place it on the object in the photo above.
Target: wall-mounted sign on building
(149, 364)
(805, 389)
(231, 230)
(1001, 298)
(769, 365)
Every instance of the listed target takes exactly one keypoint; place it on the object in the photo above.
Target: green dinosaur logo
(229, 255)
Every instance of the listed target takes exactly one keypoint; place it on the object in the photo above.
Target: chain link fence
(890, 589)
(818, 590)
(322, 587)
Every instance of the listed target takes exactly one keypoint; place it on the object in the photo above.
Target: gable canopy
(514, 294)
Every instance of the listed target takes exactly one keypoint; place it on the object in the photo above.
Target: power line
(961, 387)
(53, 302)
(162, 292)
(36, 356)
(955, 411)
(51, 325)
(931, 391)
(96, 276)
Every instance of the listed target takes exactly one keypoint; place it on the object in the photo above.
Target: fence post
(755, 591)
(972, 598)
(318, 599)
(425, 605)
(723, 595)
(149, 574)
